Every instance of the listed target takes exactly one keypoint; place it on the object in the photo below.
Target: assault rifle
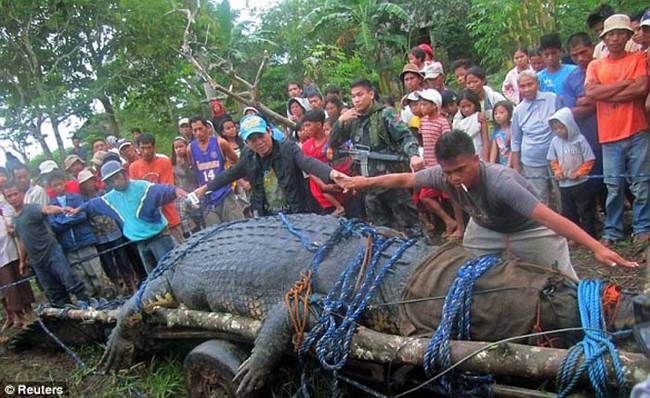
(361, 154)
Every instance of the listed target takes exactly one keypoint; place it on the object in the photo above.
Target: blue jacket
(72, 232)
(136, 209)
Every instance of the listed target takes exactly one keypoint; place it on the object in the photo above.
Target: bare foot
(450, 227)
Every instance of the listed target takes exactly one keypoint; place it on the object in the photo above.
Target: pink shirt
(431, 128)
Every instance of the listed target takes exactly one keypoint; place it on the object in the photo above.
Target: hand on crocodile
(250, 376)
(119, 352)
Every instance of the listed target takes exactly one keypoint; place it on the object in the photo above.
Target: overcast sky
(244, 6)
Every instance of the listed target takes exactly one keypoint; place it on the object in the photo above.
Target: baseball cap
(413, 96)
(112, 140)
(645, 19)
(110, 168)
(70, 160)
(123, 143)
(426, 48)
(251, 124)
(431, 95)
(250, 108)
(448, 97)
(85, 175)
(433, 71)
(47, 167)
(183, 120)
(616, 21)
(98, 158)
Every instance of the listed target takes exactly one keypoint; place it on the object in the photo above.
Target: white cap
(112, 140)
(413, 96)
(431, 95)
(47, 167)
(123, 143)
(183, 121)
(433, 71)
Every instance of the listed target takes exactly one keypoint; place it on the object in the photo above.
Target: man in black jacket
(274, 170)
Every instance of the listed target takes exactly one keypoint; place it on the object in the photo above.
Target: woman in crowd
(472, 122)
(509, 87)
(476, 81)
(185, 177)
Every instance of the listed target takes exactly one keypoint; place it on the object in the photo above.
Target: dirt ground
(162, 376)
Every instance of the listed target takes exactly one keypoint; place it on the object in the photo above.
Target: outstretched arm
(569, 230)
(397, 180)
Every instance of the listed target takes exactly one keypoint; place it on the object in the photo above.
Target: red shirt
(431, 128)
(618, 120)
(311, 149)
(158, 171)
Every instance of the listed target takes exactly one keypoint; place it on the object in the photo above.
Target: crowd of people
(568, 135)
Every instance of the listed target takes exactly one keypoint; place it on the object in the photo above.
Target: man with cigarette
(506, 214)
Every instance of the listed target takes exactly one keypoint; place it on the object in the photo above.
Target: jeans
(57, 279)
(628, 156)
(153, 249)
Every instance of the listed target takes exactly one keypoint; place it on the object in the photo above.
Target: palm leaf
(392, 10)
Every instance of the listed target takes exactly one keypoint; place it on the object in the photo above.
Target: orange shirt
(618, 120)
(158, 171)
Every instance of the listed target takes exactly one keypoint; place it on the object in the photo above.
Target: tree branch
(186, 51)
(258, 76)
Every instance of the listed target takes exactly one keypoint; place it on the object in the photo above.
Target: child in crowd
(228, 130)
(432, 126)
(77, 238)
(571, 160)
(470, 121)
(476, 80)
(536, 60)
(449, 106)
(500, 149)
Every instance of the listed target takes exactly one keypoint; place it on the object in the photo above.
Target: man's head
(332, 91)
(616, 33)
(135, 134)
(113, 174)
(73, 164)
(434, 77)
(333, 107)
(597, 17)
(460, 67)
(411, 77)
(536, 59)
(99, 144)
(550, 46)
(147, 144)
(581, 49)
(457, 158)
(315, 99)
(256, 134)
(56, 181)
(312, 123)
(528, 84)
(184, 127)
(87, 183)
(363, 94)
(200, 129)
(417, 56)
(76, 141)
(294, 89)
(14, 195)
(127, 150)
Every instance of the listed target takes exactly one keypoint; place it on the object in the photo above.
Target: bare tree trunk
(110, 114)
(57, 136)
(36, 131)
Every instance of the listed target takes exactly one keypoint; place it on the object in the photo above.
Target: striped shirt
(431, 128)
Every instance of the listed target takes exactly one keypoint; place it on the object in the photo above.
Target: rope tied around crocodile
(345, 302)
(456, 312)
(593, 348)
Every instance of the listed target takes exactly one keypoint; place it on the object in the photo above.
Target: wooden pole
(505, 359)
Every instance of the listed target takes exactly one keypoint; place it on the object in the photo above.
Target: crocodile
(245, 268)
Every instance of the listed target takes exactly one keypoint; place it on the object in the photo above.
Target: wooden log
(498, 359)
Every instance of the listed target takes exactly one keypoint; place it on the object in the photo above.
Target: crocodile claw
(118, 353)
(250, 377)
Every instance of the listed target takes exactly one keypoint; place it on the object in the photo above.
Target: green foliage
(328, 64)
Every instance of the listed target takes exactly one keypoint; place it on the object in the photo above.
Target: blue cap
(645, 19)
(251, 124)
(110, 168)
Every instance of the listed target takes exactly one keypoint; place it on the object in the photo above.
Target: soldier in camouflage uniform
(369, 125)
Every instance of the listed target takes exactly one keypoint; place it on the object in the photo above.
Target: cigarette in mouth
(464, 187)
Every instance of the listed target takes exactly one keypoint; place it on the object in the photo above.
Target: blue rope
(456, 311)
(343, 305)
(592, 349)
